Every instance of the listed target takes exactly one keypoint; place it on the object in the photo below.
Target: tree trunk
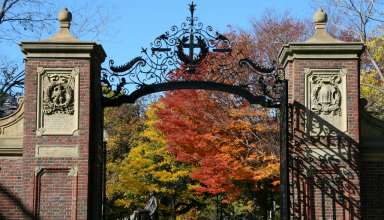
(173, 214)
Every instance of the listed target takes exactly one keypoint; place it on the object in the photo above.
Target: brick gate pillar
(62, 153)
(323, 78)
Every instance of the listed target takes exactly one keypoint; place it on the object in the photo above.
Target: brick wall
(11, 190)
(65, 187)
(324, 174)
(55, 196)
(353, 94)
(54, 186)
(32, 164)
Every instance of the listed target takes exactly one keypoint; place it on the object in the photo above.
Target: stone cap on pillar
(63, 44)
(64, 34)
(321, 45)
(321, 35)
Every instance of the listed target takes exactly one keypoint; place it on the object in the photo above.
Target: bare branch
(362, 16)
(379, 89)
(32, 18)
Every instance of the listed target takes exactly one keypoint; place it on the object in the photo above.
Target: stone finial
(64, 34)
(65, 18)
(320, 16)
(321, 35)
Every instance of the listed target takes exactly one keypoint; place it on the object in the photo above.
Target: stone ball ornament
(320, 16)
(65, 15)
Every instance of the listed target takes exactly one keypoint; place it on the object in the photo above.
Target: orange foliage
(227, 146)
(232, 146)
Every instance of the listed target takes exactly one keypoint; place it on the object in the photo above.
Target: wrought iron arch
(158, 69)
(210, 64)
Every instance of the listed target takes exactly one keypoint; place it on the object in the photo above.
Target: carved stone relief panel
(325, 98)
(58, 100)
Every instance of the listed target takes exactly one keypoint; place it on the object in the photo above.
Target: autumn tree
(123, 125)
(372, 87)
(150, 167)
(272, 31)
(231, 145)
(228, 147)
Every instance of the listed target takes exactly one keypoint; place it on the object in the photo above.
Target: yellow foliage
(149, 167)
(372, 87)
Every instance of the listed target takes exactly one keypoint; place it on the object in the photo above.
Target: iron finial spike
(192, 8)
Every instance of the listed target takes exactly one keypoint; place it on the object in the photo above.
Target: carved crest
(59, 95)
(326, 95)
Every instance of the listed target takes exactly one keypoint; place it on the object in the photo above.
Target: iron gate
(157, 70)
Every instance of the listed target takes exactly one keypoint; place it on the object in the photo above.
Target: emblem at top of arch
(191, 53)
(326, 94)
(186, 45)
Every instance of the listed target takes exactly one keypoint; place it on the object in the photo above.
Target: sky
(133, 24)
(138, 22)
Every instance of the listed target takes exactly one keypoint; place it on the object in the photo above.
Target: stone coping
(57, 49)
(304, 50)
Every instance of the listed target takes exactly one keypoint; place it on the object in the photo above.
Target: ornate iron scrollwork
(187, 48)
